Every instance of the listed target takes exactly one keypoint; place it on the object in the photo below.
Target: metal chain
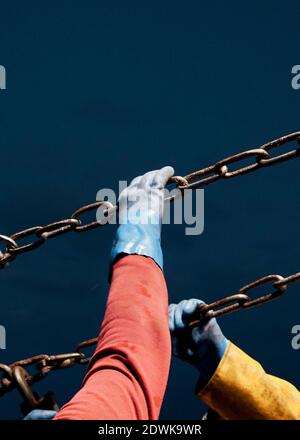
(16, 375)
(261, 156)
(205, 176)
(42, 233)
(240, 299)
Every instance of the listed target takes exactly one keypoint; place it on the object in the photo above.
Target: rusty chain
(17, 376)
(198, 179)
(241, 300)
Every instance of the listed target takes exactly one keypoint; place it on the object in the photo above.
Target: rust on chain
(277, 291)
(212, 173)
(85, 344)
(6, 375)
(20, 378)
(288, 280)
(29, 361)
(9, 241)
(182, 182)
(6, 256)
(242, 300)
(218, 308)
(59, 361)
(95, 224)
(222, 166)
(31, 399)
(58, 228)
(16, 375)
(278, 143)
(196, 179)
(282, 141)
(26, 247)
(5, 259)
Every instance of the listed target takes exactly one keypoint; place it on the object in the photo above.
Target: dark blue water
(98, 92)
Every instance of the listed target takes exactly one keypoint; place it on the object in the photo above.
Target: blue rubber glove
(202, 346)
(140, 215)
(40, 414)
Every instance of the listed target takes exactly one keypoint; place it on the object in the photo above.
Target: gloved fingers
(135, 181)
(162, 176)
(40, 414)
(131, 188)
(179, 313)
(179, 324)
(178, 349)
(147, 179)
(129, 194)
(142, 182)
(171, 311)
(189, 308)
(157, 178)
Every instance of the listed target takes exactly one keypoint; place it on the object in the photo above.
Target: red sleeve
(128, 372)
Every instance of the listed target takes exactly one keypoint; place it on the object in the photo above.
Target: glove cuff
(208, 365)
(140, 239)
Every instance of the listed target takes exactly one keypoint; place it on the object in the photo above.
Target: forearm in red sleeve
(128, 372)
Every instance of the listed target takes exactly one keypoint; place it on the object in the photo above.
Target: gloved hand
(202, 346)
(40, 414)
(140, 215)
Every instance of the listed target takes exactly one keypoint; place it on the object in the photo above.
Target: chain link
(197, 179)
(17, 376)
(262, 157)
(241, 300)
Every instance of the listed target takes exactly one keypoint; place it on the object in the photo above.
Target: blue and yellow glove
(202, 346)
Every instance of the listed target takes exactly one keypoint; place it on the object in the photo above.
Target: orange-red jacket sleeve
(128, 372)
